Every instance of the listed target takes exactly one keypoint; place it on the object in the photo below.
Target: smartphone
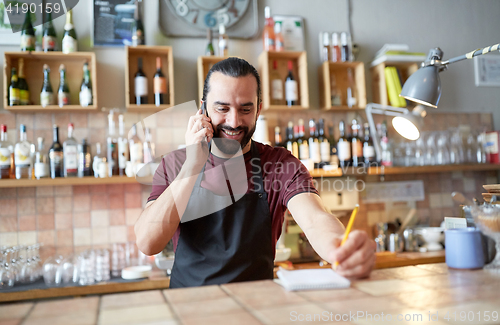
(204, 109)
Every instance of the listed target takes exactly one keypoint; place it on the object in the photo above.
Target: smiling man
(237, 242)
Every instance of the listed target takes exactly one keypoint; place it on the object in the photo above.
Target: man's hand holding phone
(198, 133)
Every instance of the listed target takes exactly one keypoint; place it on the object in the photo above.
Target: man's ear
(258, 111)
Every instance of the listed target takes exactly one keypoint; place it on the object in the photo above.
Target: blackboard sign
(112, 22)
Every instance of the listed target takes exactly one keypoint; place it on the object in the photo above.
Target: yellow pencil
(348, 230)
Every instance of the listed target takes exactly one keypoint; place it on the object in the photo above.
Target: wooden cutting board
(492, 188)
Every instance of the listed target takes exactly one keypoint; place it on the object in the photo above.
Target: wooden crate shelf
(33, 71)
(204, 64)
(299, 60)
(148, 55)
(339, 70)
(379, 87)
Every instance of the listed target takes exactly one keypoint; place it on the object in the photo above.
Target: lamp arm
(472, 54)
(373, 131)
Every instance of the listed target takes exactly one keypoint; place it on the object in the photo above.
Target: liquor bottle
(84, 159)
(135, 145)
(385, 147)
(24, 92)
(356, 145)
(160, 85)
(279, 39)
(148, 146)
(47, 95)
(351, 89)
(276, 85)
(277, 137)
(112, 147)
(63, 92)
(335, 93)
(223, 40)
(344, 49)
(324, 144)
(85, 95)
(14, 99)
(141, 85)
(22, 155)
(325, 50)
(138, 28)
(27, 34)
(70, 154)
(49, 35)
(314, 153)
(41, 166)
(289, 137)
(368, 148)
(343, 147)
(209, 50)
(6, 152)
(268, 36)
(123, 151)
(335, 50)
(56, 155)
(333, 143)
(295, 146)
(69, 41)
(302, 142)
(291, 87)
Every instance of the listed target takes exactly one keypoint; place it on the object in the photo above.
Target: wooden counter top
(410, 291)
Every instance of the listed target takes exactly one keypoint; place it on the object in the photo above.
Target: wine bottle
(268, 36)
(295, 145)
(385, 147)
(351, 89)
(324, 144)
(84, 159)
(6, 152)
(302, 142)
(49, 35)
(123, 151)
(63, 92)
(209, 50)
(69, 41)
(46, 95)
(343, 147)
(56, 155)
(279, 40)
(344, 49)
(314, 153)
(112, 146)
(335, 50)
(14, 99)
(141, 85)
(24, 93)
(160, 84)
(277, 137)
(27, 34)
(86, 98)
(368, 148)
(290, 140)
(276, 85)
(41, 166)
(138, 28)
(70, 154)
(223, 41)
(291, 87)
(22, 155)
(325, 50)
(356, 145)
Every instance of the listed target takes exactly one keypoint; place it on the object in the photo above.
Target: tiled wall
(74, 218)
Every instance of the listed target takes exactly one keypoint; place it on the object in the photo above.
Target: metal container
(396, 243)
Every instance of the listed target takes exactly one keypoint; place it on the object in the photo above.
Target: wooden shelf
(33, 71)
(148, 55)
(299, 60)
(379, 87)
(61, 181)
(327, 70)
(322, 173)
(204, 64)
(419, 169)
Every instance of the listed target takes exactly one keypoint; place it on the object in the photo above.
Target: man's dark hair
(232, 67)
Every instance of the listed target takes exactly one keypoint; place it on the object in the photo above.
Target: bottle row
(160, 85)
(72, 158)
(338, 50)
(322, 149)
(19, 93)
(288, 95)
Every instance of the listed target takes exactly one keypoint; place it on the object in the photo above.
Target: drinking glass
(431, 151)
(69, 269)
(7, 277)
(420, 151)
(443, 153)
(52, 272)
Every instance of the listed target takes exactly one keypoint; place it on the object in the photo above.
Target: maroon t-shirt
(284, 176)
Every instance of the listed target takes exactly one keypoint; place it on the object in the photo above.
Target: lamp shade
(408, 125)
(423, 87)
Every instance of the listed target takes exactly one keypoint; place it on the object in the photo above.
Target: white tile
(435, 200)
(469, 184)
(446, 201)
(99, 218)
(8, 238)
(27, 237)
(100, 235)
(82, 237)
(118, 234)
(131, 216)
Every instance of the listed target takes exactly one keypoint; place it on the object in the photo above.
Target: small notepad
(312, 279)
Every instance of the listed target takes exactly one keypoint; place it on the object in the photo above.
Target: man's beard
(229, 146)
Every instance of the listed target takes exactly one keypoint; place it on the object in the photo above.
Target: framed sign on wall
(112, 22)
(487, 70)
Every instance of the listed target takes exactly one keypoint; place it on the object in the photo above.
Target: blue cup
(464, 248)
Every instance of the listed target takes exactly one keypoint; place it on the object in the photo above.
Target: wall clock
(191, 18)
